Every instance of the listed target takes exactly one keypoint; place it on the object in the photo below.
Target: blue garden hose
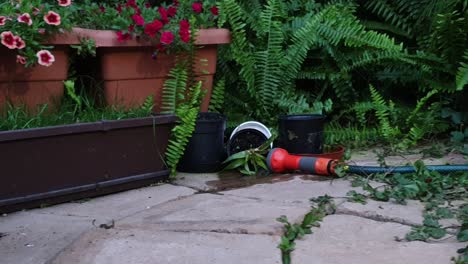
(365, 170)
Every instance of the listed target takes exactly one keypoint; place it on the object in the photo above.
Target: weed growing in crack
(324, 207)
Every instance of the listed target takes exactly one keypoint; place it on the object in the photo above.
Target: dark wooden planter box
(62, 163)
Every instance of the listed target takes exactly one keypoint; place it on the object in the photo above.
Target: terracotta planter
(130, 75)
(62, 163)
(36, 85)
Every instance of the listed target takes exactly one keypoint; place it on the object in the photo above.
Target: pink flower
(64, 2)
(167, 37)
(171, 11)
(197, 7)
(2, 20)
(163, 14)
(36, 11)
(214, 10)
(20, 44)
(8, 39)
(45, 58)
(138, 19)
(152, 28)
(123, 37)
(20, 59)
(25, 18)
(41, 31)
(52, 18)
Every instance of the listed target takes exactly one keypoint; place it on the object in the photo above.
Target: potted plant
(136, 42)
(30, 73)
(137, 45)
(78, 151)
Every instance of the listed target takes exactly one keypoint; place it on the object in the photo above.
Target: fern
(180, 136)
(148, 105)
(187, 113)
(173, 88)
(217, 97)
(382, 114)
(462, 73)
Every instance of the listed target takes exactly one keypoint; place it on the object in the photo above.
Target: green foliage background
(301, 56)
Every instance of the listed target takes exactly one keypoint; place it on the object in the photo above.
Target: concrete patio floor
(207, 218)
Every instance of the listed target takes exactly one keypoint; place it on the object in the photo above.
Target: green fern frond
(462, 74)
(180, 136)
(217, 96)
(174, 88)
(419, 105)
(148, 105)
(382, 114)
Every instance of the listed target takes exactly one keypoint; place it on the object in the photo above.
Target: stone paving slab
(369, 158)
(138, 246)
(121, 204)
(296, 190)
(217, 213)
(32, 238)
(35, 236)
(356, 240)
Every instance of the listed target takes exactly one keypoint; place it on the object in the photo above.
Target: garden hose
(364, 170)
(279, 160)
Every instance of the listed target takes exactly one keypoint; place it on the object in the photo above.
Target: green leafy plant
(181, 96)
(250, 161)
(272, 48)
(325, 206)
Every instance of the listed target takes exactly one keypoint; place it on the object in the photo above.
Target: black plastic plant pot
(301, 134)
(205, 150)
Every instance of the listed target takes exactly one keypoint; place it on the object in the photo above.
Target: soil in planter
(244, 140)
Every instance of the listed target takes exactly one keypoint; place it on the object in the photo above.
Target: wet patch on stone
(232, 180)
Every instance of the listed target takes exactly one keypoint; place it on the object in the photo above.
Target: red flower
(176, 3)
(171, 11)
(2, 20)
(119, 9)
(184, 24)
(163, 14)
(138, 19)
(167, 37)
(131, 28)
(103, 9)
(214, 10)
(131, 3)
(160, 47)
(184, 31)
(148, 5)
(45, 58)
(152, 28)
(25, 18)
(123, 37)
(20, 59)
(20, 44)
(8, 39)
(64, 2)
(197, 7)
(52, 18)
